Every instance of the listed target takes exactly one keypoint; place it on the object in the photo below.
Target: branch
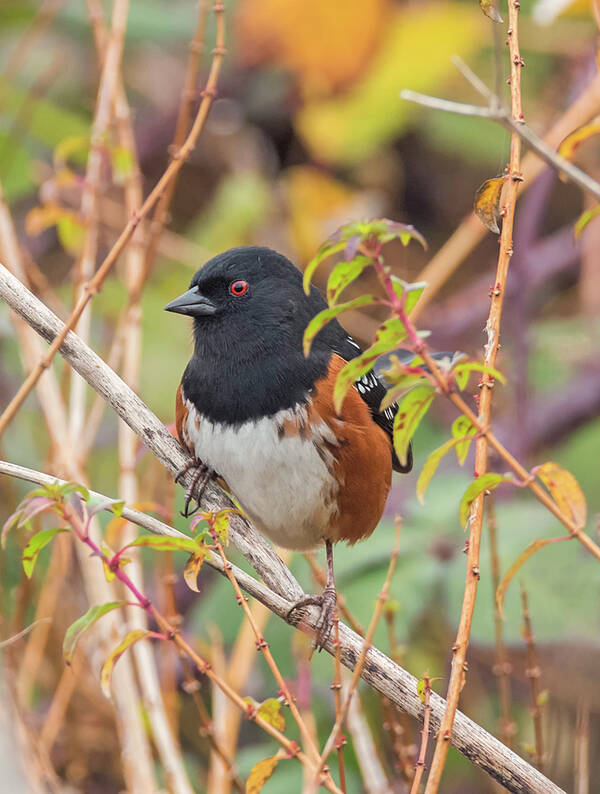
(501, 116)
(379, 671)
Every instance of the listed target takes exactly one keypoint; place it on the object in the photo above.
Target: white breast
(285, 483)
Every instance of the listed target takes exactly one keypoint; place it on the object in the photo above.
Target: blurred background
(309, 132)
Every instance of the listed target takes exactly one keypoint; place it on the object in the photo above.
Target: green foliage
(82, 624)
(322, 318)
(35, 544)
(486, 482)
(411, 411)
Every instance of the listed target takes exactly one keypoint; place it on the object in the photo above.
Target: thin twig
(420, 763)
(533, 674)
(95, 283)
(336, 685)
(381, 599)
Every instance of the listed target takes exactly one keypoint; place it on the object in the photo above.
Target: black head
(250, 312)
(251, 295)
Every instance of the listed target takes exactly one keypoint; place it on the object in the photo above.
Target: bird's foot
(200, 478)
(328, 602)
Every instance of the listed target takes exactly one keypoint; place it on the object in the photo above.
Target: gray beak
(192, 303)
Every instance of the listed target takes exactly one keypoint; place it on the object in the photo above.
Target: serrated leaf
(518, 564)
(108, 666)
(490, 9)
(165, 543)
(328, 248)
(487, 482)
(585, 218)
(260, 773)
(270, 711)
(571, 143)
(487, 203)
(82, 624)
(344, 274)
(565, 491)
(462, 427)
(411, 410)
(35, 545)
(192, 568)
(430, 467)
(322, 318)
(462, 371)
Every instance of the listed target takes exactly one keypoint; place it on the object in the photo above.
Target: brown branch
(459, 649)
(379, 671)
(533, 674)
(336, 685)
(95, 283)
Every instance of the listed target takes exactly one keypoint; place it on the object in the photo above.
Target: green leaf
(328, 248)
(73, 146)
(411, 410)
(71, 233)
(343, 274)
(108, 666)
(518, 563)
(388, 337)
(408, 293)
(421, 687)
(82, 624)
(585, 218)
(462, 427)
(462, 371)
(35, 545)
(270, 711)
(430, 467)
(487, 482)
(96, 504)
(322, 318)
(166, 543)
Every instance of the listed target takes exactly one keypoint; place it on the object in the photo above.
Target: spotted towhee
(252, 410)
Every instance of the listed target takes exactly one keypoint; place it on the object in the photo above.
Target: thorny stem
(420, 763)
(94, 285)
(502, 667)
(263, 646)
(170, 632)
(381, 599)
(459, 649)
(337, 699)
(533, 674)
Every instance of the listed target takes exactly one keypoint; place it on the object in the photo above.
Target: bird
(257, 414)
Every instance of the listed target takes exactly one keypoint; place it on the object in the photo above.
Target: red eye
(238, 287)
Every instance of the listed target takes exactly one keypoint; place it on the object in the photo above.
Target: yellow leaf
(192, 569)
(414, 53)
(585, 218)
(573, 141)
(490, 9)
(487, 203)
(41, 218)
(260, 773)
(107, 667)
(325, 45)
(270, 711)
(565, 491)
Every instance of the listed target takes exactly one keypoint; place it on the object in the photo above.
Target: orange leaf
(572, 142)
(565, 491)
(487, 203)
(261, 772)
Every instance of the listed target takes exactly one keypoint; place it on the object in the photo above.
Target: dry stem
(533, 674)
(420, 764)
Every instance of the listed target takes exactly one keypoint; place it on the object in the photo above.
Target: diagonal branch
(282, 590)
